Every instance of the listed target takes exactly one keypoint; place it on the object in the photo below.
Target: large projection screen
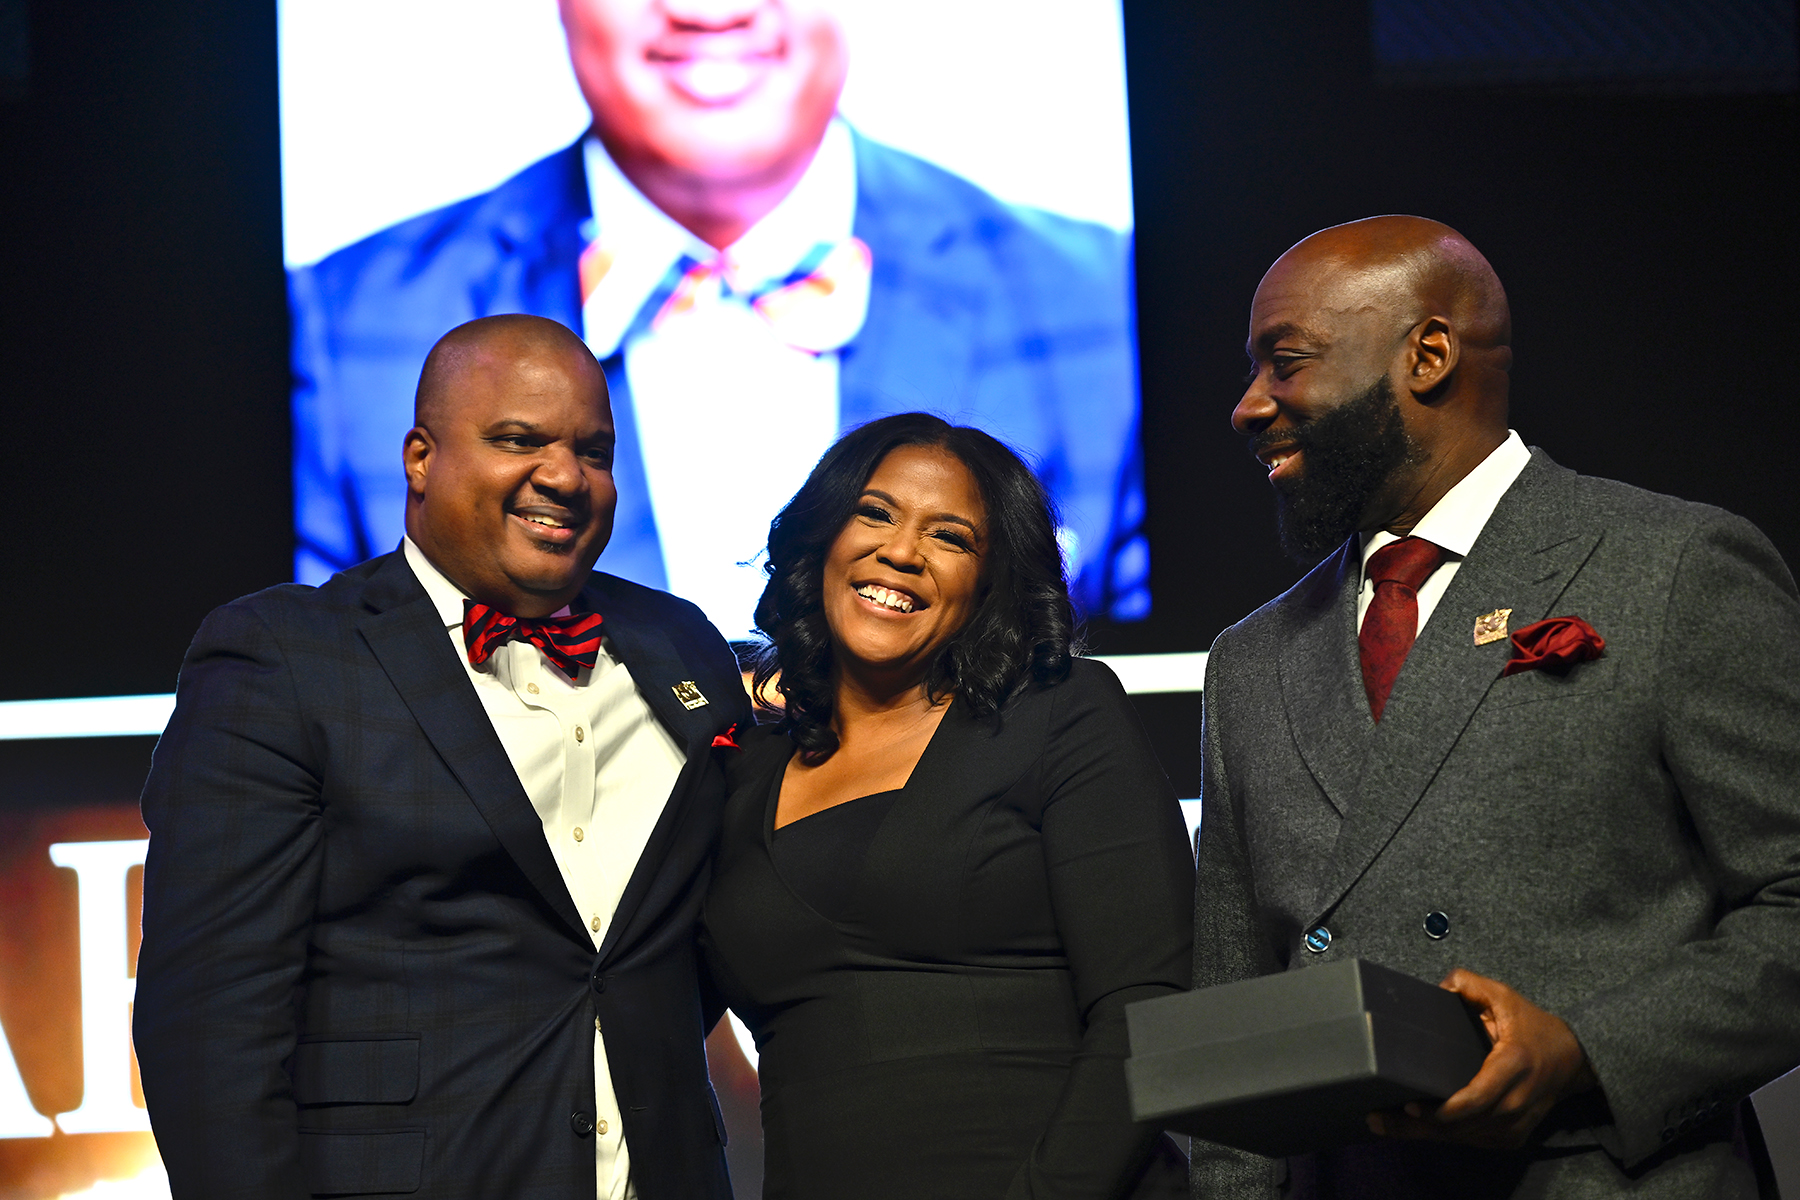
(959, 240)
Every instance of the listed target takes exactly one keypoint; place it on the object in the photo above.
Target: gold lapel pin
(688, 692)
(1491, 627)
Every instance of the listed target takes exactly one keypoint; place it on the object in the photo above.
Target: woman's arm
(1121, 885)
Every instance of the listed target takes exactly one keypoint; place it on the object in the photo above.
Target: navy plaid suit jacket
(361, 972)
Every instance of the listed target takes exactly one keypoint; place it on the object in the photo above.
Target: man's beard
(1349, 454)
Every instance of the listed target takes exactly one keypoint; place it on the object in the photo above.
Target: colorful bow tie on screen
(571, 642)
(816, 307)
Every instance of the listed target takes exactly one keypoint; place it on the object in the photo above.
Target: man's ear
(415, 456)
(1432, 352)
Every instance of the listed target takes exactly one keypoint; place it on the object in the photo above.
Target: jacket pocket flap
(362, 1162)
(1529, 687)
(357, 1071)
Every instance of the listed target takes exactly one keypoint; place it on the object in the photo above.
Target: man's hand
(1535, 1062)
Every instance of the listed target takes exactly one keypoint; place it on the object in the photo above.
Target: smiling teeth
(1275, 463)
(898, 601)
(552, 522)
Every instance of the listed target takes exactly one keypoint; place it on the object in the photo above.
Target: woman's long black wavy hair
(1023, 628)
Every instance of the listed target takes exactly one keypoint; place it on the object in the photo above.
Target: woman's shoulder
(761, 749)
(757, 735)
(1040, 713)
(1092, 675)
(1092, 729)
(1090, 683)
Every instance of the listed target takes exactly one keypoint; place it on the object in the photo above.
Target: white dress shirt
(1454, 523)
(720, 401)
(598, 767)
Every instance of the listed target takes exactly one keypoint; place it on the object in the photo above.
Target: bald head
(1411, 268)
(498, 343)
(1382, 353)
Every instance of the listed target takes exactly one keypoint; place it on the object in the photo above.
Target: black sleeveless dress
(936, 976)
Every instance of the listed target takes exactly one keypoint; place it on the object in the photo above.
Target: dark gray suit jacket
(361, 970)
(1620, 843)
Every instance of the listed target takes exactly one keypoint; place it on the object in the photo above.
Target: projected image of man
(756, 277)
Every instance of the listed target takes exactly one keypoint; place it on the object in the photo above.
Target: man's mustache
(1297, 437)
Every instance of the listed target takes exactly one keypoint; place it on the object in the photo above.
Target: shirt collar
(445, 596)
(640, 242)
(1458, 518)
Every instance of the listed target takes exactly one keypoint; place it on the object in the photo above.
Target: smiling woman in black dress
(955, 860)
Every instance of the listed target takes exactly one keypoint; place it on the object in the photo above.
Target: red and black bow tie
(571, 642)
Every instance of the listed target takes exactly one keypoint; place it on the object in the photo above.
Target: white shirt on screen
(722, 405)
(1454, 523)
(598, 767)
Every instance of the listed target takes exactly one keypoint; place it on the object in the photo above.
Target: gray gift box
(1292, 1063)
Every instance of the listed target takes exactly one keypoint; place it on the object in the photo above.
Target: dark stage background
(1647, 238)
(1641, 216)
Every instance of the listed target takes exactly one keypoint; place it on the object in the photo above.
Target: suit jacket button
(1318, 940)
(599, 983)
(582, 1123)
(1437, 925)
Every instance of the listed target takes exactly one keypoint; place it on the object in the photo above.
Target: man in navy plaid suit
(427, 843)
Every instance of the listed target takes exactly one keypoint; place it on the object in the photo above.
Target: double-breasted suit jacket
(1620, 842)
(361, 970)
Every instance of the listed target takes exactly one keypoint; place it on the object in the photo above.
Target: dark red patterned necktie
(1392, 622)
(571, 642)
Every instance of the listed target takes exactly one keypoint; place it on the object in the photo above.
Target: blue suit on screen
(1004, 317)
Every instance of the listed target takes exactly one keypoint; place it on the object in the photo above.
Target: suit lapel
(1524, 559)
(407, 638)
(657, 667)
(1321, 678)
(538, 232)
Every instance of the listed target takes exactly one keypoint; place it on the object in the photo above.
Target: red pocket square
(1554, 644)
(726, 739)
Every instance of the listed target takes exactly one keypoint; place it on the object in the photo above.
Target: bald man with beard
(428, 842)
(1530, 733)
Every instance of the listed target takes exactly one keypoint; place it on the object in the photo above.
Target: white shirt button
(532, 688)
(578, 834)
(595, 926)
(580, 734)
(600, 1127)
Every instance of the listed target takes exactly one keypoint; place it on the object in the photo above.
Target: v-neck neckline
(773, 800)
(769, 826)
